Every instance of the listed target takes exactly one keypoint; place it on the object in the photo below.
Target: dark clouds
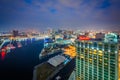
(60, 13)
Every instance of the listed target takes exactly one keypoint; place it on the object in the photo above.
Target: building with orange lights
(70, 50)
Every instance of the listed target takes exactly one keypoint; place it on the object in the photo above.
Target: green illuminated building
(97, 60)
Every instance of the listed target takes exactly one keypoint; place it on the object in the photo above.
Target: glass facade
(96, 60)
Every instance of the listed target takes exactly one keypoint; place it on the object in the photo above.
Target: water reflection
(8, 47)
(3, 53)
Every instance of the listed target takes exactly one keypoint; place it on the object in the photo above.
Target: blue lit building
(48, 42)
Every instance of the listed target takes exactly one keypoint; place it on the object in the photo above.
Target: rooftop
(55, 61)
(43, 71)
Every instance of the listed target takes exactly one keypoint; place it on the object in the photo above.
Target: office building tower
(97, 60)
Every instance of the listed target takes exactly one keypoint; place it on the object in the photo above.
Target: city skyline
(73, 14)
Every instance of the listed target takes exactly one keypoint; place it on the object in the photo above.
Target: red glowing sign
(84, 38)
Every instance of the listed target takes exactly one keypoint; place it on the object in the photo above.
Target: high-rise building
(15, 33)
(97, 60)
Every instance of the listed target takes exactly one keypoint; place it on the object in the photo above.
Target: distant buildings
(5, 34)
(15, 33)
(99, 35)
(97, 60)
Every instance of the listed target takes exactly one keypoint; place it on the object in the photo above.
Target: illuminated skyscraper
(97, 60)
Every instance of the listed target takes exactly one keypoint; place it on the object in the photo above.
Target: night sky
(70, 14)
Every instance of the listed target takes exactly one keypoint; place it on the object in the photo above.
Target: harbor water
(19, 62)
